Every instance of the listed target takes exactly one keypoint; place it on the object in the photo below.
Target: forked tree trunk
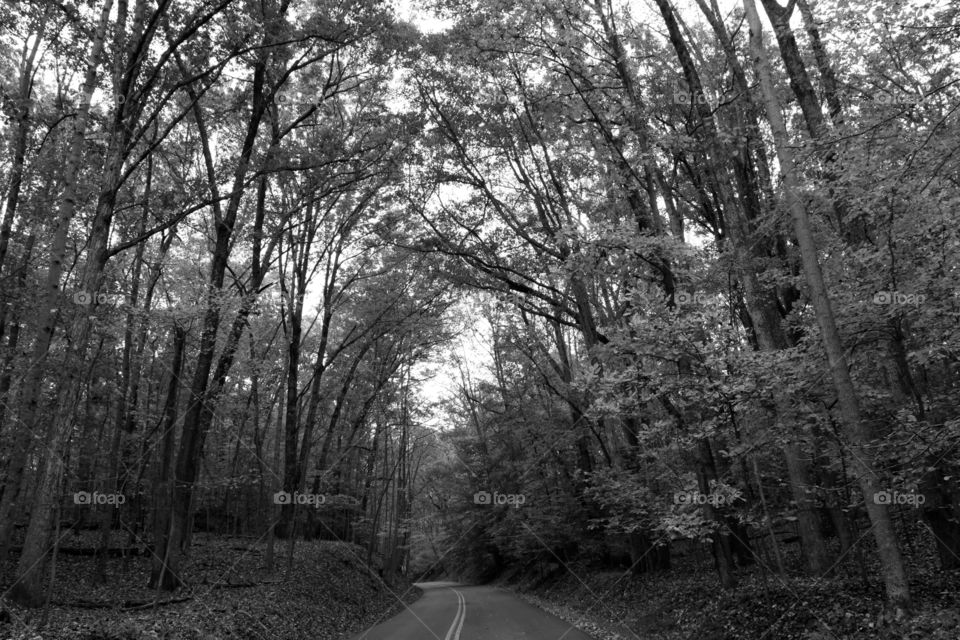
(199, 414)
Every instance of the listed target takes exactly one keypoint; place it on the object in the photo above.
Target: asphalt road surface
(450, 611)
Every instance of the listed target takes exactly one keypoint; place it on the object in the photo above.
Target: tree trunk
(291, 475)
(720, 539)
(19, 154)
(270, 559)
(199, 413)
(808, 520)
(761, 304)
(766, 516)
(161, 576)
(30, 568)
(13, 339)
(828, 78)
(857, 430)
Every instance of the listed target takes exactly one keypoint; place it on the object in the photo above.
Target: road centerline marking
(457, 625)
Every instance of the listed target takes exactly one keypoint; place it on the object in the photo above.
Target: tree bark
(828, 77)
(27, 587)
(19, 154)
(13, 339)
(160, 576)
(857, 430)
(199, 413)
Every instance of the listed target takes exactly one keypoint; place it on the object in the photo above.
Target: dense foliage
(692, 271)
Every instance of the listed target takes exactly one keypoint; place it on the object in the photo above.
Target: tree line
(714, 252)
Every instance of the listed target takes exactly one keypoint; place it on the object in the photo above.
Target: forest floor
(687, 603)
(327, 592)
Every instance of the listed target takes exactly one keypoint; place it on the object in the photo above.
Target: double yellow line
(457, 625)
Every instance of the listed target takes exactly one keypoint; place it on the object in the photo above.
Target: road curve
(450, 611)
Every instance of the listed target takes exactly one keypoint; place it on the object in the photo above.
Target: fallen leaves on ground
(327, 591)
(688, 603)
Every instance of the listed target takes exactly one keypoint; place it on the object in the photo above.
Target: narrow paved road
(449, 611)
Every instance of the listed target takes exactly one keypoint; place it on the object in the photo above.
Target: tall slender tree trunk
(13, 339)
(27, 588)
(276, 480)
(24, 102)
(291, 480)
(199, 413)
(858, 432)
(828, 77)
(770, 337)
(160, 578)
(761, 303)
(720, 540)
